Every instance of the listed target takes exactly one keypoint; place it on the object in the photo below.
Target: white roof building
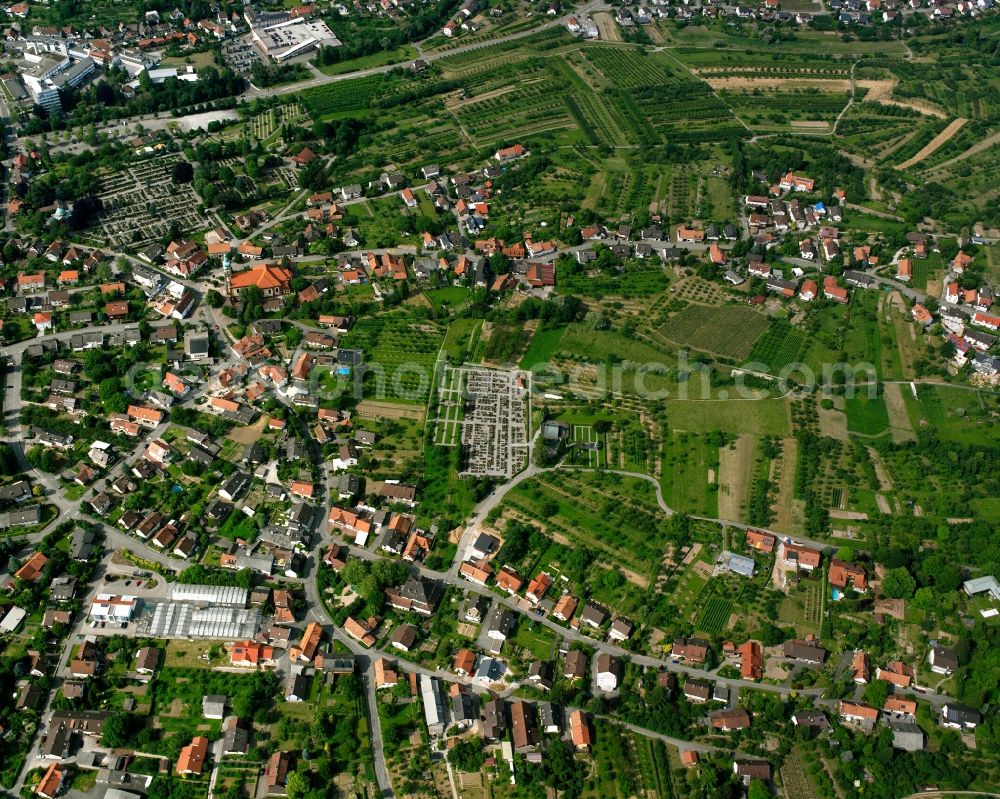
(111, 607)
(12, 620)
(981, 584)
(218, 595)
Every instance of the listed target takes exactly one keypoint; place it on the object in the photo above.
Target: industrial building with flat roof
(220, 595)
(293, 38)
(183, 620)
(202, 611)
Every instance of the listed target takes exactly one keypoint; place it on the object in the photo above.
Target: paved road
(451, 578)
(256, 92)
(482, 511)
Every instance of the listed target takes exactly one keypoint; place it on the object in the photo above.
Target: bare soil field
(607, 27)
(695, 549)
(832, 423)
(812, 124)
(934, 143)
(880, 91)
(734, 474)
(248, 435)
(373, 409)
(850, 515)
(776, 84)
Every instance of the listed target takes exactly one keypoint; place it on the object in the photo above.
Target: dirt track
(934, 143)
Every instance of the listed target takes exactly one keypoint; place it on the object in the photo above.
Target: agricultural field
(955, 414)
(727, 331)
(714, 615)
(757, 417)
(628, 67)
(690, 473)
(334, 100)
(615, 517)
(805, 107)
(637, 280)
(400, 353)
(795, 779)
(779, 346)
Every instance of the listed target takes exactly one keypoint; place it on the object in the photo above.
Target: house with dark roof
(960, 717)
(942, 660)
(697, 691)
(748, 770)
(804, 651)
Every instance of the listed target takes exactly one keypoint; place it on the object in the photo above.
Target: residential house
(859, 713)
(805, 650)
(607, 672)
(960, 717)
(728, 720)
(844, 575)
(692, 650)
(579, 730)
(192, 757)
(942, 660)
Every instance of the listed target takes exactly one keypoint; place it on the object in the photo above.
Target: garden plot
(587, 444)
(263, 125)
(141, 202)
(399, 356)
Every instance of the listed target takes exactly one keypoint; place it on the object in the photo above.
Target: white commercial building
(218, 595)
(114, 608)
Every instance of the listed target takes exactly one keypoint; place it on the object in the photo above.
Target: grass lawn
(866, 416)
(460, 336)
(196, 60)
(449, 296)
(687, 459)
(765, 417)
(381, 58)
(801, 608)
(543, 346)
(535, 638)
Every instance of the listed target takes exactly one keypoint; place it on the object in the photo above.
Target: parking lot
(240, 54)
